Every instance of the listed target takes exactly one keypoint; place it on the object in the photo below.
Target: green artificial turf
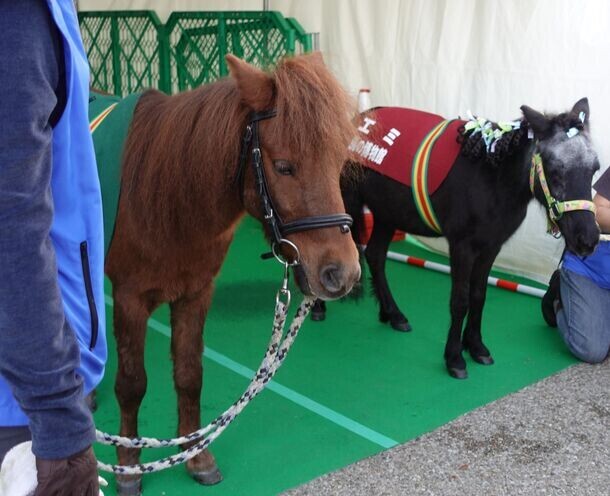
(350, 387)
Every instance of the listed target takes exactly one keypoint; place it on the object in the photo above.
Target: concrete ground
(552, 438)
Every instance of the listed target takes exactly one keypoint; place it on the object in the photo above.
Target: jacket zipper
(84, 257)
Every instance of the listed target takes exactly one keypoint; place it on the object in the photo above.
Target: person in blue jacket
(52, 340)
(578, 299)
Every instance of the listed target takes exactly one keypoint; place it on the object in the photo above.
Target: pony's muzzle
(581, 232)
(337, 280)
(586, 243)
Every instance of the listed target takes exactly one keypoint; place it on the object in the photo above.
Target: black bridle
(279, 229)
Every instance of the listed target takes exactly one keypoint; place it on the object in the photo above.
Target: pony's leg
(376, 254)
(187, 318)
(130, 316)
(462, 259)
(472, 340)
(318, 311)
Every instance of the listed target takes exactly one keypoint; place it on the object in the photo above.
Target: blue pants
(584, 319)
(39, 353)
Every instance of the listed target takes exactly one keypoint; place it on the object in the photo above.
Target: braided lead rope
(273, 359)
(150, 442)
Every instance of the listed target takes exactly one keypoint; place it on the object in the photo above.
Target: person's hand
(602, 215)
(73, 476)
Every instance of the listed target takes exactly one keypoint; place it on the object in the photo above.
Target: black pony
(480, 204)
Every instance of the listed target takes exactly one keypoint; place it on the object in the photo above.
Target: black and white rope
(274, 356)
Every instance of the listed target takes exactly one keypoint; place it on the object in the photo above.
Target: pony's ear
(581, 105)
(538, 121)
(255, 86)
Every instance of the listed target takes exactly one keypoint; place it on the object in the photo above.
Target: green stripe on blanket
(109, 135)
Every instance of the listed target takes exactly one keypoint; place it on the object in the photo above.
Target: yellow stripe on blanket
(99, 119)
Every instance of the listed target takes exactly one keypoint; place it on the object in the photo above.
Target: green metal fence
(132, 50)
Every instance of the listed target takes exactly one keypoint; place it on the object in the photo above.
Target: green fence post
(115, 40)
(305, 39)
(165, 79)
(290, 42)
(222, 45)
(311, 41)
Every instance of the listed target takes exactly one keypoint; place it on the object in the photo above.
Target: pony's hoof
(483, 359)
(129, 487)
(207, 477)
(457, 373)
(318, 316)
(398, 322)
(402, 326)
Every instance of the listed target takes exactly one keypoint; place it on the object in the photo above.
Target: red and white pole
(445, 269)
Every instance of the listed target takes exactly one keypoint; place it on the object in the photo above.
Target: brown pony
(180, 206)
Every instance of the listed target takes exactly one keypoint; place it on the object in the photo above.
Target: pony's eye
(283, 167)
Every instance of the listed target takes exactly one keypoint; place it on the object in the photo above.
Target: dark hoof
(483, 359)
(402, 326)
(207, 477)
(318, 316)
(457, 373)
(130, 487)
(398, 322)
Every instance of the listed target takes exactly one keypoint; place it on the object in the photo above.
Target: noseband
(279, 229)
(555, 208)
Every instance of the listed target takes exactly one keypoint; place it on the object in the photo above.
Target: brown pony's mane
(187, 145)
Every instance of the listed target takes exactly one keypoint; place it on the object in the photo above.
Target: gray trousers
(584, 319)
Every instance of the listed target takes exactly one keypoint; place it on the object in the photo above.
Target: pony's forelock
(314, 111)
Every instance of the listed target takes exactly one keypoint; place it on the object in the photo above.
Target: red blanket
(391, 137)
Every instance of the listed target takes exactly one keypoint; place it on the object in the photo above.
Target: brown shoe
(74, 476)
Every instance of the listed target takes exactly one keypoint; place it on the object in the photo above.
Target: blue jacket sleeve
(38, 350)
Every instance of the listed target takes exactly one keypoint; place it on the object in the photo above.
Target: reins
(280, 342)
(555, 208)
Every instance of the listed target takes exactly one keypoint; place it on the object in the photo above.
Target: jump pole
(445, 269)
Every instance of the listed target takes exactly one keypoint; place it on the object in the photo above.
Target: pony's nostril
(331, 278)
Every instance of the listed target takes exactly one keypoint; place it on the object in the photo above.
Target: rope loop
(278, 348)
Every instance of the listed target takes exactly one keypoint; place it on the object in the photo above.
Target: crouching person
(578, 299)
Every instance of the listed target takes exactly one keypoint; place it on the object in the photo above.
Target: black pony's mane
(475, 148)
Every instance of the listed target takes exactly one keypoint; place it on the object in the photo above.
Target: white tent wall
(448, 56)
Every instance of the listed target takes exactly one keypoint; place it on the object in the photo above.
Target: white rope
(274, 356)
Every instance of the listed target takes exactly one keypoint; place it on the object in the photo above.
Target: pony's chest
(409, 146)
